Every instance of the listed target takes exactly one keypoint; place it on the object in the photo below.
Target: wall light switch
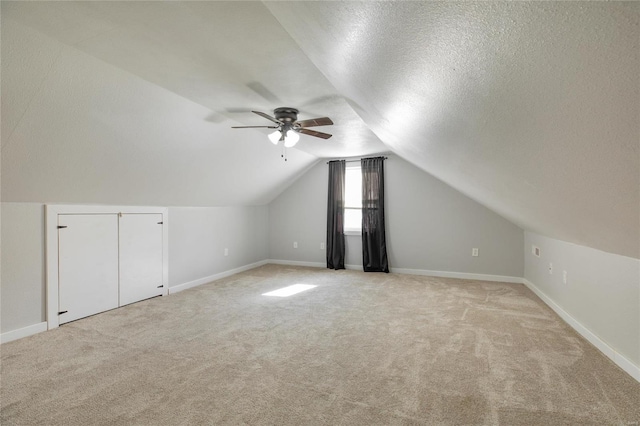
(474, 252)
(226, 252)
(535, 250)
(295, 244)
(321, 246)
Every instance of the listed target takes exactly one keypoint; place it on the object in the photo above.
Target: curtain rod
(354, 161)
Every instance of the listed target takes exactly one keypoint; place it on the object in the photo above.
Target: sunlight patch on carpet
(290, 290)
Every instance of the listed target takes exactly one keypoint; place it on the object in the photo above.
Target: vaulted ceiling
(532, 109)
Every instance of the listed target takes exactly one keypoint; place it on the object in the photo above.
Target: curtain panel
(374, 245)
(335, 216)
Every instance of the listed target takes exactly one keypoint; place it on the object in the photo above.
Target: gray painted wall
(22, 286)
(197, 238)
(602, 290)
(299, 214)
(430, 226)
(199, 235)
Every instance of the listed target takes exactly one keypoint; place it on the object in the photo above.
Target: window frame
(353, 231)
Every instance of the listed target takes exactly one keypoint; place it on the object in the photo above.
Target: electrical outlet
(550, 268)
(295, 244)
(226, 252)
(474, 252)
(564, 277)
(321, 246)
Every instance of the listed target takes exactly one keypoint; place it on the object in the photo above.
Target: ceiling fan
(288, 126)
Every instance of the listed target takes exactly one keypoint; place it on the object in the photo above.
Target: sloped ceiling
(532, 109)
(133, 103)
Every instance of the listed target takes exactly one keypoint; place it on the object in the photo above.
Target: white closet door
(87, 265)
(140, 257)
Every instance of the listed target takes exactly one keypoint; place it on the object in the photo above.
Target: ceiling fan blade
(314, 133)
(313, 122)
(267, 116)
(254, 127)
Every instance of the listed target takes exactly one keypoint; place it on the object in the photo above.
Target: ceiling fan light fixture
(291, 138)
(275, 137)
(288, 127)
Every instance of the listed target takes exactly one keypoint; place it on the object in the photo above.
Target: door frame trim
(51, 246)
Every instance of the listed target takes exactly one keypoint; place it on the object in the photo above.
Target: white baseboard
(461, 275)
(23, 332)
(353, 267)
(442, 274)
(628, 366)
(181, 287)
(622, 362)
(296, 263)
(310, 264)
(40, 327)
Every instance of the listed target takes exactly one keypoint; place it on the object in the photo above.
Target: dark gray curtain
(335, 216)
(374, 246)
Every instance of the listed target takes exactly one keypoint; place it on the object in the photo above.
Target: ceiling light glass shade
(275, 137)
(291, 138)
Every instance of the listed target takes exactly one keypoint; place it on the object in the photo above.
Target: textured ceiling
(533, 109)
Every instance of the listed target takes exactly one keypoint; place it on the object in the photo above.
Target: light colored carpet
(357, 349)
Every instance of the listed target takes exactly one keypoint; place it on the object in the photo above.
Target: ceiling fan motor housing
(286, 114)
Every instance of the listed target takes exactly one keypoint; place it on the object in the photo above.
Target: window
(353, 200)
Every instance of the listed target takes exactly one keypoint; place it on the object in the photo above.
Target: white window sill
(353, 232)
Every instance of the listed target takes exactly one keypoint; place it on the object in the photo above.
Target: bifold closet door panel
(87, 264)
(140, 257)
